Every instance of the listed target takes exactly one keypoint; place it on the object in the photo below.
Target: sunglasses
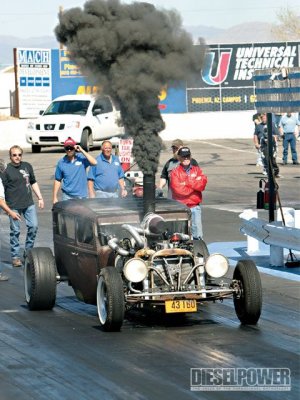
(185, 157)
(174, 147)
(69, 148)
(16, 155)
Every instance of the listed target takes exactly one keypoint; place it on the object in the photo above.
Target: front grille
(49, 127)
(48, 139)
(173, 271)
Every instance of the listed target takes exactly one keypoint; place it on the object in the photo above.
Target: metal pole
(270, 168)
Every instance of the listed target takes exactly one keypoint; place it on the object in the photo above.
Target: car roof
(117, 210)
(78, 97)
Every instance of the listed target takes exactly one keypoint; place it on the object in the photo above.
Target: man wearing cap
(106, 179)
(70, 173)
(187, 183)
(171, 164)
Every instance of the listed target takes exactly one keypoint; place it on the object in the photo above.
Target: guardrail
(274, 234)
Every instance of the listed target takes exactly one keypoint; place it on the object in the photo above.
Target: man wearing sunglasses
(171, 164)
(187, 183)
(19, 181)
(70, 173)
(5, 208)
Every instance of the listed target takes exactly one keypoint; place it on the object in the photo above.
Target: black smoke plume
(131, 51)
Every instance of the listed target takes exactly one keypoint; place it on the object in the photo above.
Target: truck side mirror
(97, 111)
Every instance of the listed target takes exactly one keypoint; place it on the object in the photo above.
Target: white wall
(7, 85)
(209, 125)
(193, 126)
(13, 132)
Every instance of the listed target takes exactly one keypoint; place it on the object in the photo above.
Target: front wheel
(110, 299)
(248, 298)
(40, 279)
(86, 140)
(35, 148)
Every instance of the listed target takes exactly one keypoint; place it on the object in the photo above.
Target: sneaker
(3, 277)
(296, 162)
(16, 262)
(284, 162)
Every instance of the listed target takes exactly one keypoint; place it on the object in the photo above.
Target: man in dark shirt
(260, 139)
(18, 180)
(170, 165)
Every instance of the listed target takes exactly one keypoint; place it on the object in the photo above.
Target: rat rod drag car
(118, 256)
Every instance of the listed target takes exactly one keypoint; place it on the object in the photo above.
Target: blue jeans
(289, 138)
(66, 196)
(197, 232)
(31, 221)
(105, 195)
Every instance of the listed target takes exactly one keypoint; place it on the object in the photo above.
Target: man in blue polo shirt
(106, 179)
(70, 173)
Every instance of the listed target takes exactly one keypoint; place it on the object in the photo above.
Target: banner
(226, 82)
(33, 77)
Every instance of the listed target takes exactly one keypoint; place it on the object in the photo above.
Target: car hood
(63, 118)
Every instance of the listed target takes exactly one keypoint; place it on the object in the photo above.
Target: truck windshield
(78, 107)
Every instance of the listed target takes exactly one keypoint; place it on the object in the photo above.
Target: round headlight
(135, 270)
(216, 265)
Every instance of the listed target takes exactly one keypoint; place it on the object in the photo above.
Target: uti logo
(221, 69)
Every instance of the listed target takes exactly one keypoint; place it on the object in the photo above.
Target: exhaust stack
(149, 193)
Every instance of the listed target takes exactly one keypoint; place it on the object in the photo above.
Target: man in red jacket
(187, 183)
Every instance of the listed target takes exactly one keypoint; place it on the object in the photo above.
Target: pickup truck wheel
(40, 279)
(35, 148)
(86, 141)
(110, 299)
(248, 300)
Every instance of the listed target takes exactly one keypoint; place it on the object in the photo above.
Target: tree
(288, 28)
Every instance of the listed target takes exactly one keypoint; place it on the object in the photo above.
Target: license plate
(176, 306)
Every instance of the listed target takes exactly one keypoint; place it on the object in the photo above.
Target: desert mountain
(251, 32)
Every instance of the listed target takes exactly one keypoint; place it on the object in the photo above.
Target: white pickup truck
(85, 118)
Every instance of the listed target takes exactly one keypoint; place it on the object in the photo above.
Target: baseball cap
(70, 142)
(177, 143)
(184, 152)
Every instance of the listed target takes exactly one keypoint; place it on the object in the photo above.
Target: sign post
(271, 181)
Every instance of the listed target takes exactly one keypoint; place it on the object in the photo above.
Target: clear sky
(31, 18)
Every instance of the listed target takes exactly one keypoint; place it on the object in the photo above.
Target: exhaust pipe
(149, 193)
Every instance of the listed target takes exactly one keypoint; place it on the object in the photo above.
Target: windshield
(68, 107)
